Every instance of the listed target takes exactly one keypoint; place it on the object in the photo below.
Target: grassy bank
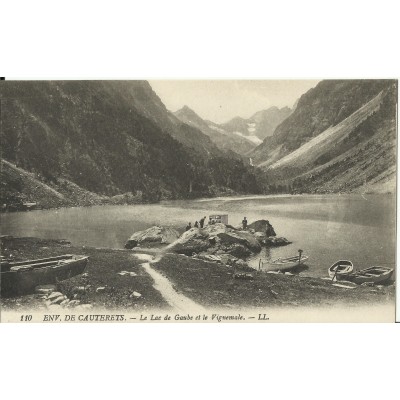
(212, 284)
(102, 271)
(207, 283)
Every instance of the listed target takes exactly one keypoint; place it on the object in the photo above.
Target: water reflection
(327, 228)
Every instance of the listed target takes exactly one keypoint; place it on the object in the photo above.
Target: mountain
(147, 103)
(267, 120)
(261, 125)
(221, 138)
(109, 138)
(341, 137)
(238, 135)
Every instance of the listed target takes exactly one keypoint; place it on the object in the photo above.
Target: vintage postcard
(206, 201)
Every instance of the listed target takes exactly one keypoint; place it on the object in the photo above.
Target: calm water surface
(360, 228)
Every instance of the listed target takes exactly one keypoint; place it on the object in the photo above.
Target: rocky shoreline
(116, 280)
(212, 240)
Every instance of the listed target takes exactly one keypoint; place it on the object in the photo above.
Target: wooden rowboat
(22, 277)
(371, 274)
(340, 269)
(283, 264)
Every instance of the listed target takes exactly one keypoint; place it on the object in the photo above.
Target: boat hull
(374, 275)
(23, 281)
(284, 264)
(341, 269)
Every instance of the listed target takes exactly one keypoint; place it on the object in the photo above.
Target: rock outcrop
(265, 234)
(275, 241)
(261, 226)
(265, 240)
(240, 237)
(214, 239)
(217, 238)
(197, 240)
(151, 236)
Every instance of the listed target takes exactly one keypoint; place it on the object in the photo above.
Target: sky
(221, 100)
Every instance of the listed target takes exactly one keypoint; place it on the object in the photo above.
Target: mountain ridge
(239, 134)
(112, 137)
(97, 142)
(325, 145)
(221, 138)
(261, 124)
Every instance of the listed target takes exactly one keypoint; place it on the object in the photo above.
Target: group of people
(197, 224)
(269, 229)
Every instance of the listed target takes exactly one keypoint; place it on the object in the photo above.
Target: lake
(360, 228)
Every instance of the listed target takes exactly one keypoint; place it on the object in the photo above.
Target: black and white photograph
(198, 200)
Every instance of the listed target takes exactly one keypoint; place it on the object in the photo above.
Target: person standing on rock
(189, 226)
(269, 230)
(202, 222)
(196, 224)
(244, 223)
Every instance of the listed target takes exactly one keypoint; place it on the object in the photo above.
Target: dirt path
(176, 300)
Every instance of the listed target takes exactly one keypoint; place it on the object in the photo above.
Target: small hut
(216, 219)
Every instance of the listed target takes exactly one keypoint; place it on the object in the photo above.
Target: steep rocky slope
(261, 125)
(147, 103)
(19, 186)
(223, 139)
(112, 137)
(239, 135)
(326, 105)
(341, 137)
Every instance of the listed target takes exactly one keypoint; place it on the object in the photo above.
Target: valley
(79, 143)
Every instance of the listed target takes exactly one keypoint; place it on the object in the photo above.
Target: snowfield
(256, 140)
(251, 127)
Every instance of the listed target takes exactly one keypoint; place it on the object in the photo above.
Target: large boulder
(214, 239)
(260, 237)
(195, 240)
(240, 237)
(258, 226)
(261, 226)
(215, 229)
(237, 250)
(276, 241)
(270, 241)
(152, 236)
(191, 246)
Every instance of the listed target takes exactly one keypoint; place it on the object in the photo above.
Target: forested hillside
(112, 137)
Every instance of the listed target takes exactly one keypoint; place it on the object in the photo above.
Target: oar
(336, 271)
